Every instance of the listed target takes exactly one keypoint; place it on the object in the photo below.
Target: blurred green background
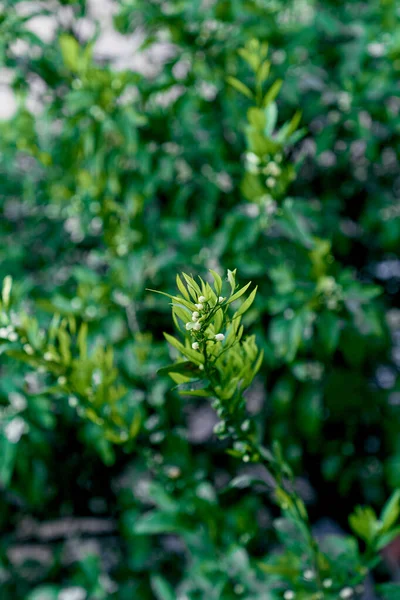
(126, 157)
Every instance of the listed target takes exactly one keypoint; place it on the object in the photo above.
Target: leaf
(391, 511)
(158, 522)
(364, 523)
(8, 455)
(256, 118)
(232, 279)
(387, 538)
(246, 304)
(328, 328)
(217, 282)
(6, 291)
(161, 588)
(82, 341)
(182, 288)
(44, 592)
(294, 225)
(240, 87)
(239, 293)
(263, 72)
(194, 356)
(70, 51)
(272, 92)
(271, 117)
(186, 367)
(243, 481)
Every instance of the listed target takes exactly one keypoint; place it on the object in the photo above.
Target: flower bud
(202, 299)
(270, 181)
(195, 345)
(197, 326)
(199, 306)
(220, 337)
(188, 325)
(195, 316)
(221, 299)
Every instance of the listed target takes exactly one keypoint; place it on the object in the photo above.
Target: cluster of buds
(200, 318)
(330, 291)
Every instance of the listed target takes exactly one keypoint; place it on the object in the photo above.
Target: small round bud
(197, 326)
(202, 299)
(219, 337)
(221, 299)
(288, 595)
(195, 345)
(188, 326)
(195, 316)
(270, 181)
(199, 306)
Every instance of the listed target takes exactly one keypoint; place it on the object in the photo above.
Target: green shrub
(265, 140)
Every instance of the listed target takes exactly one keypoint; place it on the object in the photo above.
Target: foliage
(265, 136)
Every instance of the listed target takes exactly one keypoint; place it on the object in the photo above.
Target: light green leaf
(161, 588)
(246, 304)
(391, 511)
(194, 356)
(182, 288)
(70, 51)
(272, 92)
(217, 282)
(240, 87)
(6, 291)
(239, 293)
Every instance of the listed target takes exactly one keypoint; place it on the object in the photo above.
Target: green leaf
(263, 72)
(240, 87)
(158, 522)
(194, 356)
(6, 291)
(217, 282)
(391, 511)
(271, 117)
(364, 523)
(161, 588)
(70, 51)
(239, 293)
(44, 592)
(272, 92)
(328, 328)
(246, 304)
(182, 288)
(8, 455)
(186, 367)
(244, 481)
(232, 279)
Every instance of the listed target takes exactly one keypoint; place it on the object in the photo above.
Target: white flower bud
(220, 337)
(273, 169)
(199, 306)
(195, 345)
(270, 181)
(202, 299)
(346, 592)
(221, 299)
(195, 316)
(288, 595)
(188, 325)
(197, 326)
